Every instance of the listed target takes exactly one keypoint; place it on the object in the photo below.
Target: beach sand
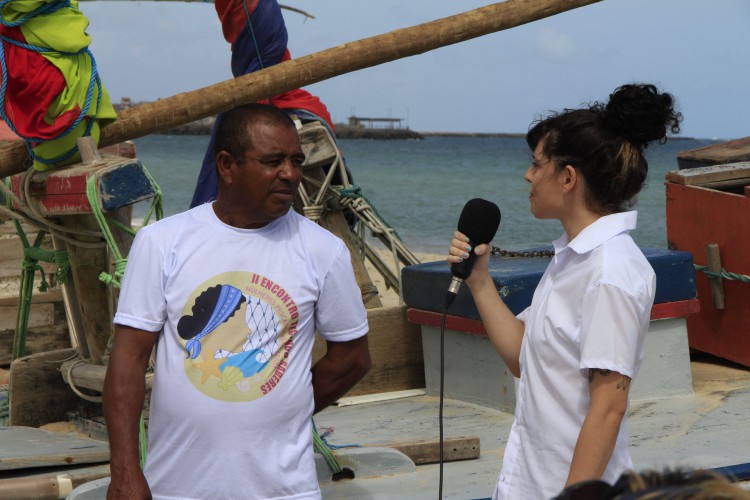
(388, 296)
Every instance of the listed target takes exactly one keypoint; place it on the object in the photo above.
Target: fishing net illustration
(264, 328)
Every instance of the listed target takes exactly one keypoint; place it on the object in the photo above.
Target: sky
(698, 50)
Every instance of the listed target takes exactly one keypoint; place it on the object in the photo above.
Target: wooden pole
(191, 106)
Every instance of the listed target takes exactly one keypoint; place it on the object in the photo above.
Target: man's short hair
(231, 134)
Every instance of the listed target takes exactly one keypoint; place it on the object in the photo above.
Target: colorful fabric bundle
(258, 35)
(51, 92)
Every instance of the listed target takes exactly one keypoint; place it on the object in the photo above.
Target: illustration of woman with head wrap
(212, 308)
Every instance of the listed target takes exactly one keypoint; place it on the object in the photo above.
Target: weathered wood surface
(122, 181)
(11, 256)
(334, 221)
(713, 176)
(697, 217)
(32, 485)
(39, 339)
(396, 352)
(25, 447)
(95, 299)
(427, 451)
(195, 105)
(37, 393)
(90, 376)
(40, 315)
(715, 154)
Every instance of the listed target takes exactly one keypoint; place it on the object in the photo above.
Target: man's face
(265, 182)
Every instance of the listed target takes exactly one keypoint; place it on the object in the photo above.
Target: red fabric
(233, 21)
(232, 16)
(33, 84)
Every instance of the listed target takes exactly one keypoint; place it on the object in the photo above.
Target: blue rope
(94, 80)
(47, 8)
(252, 33)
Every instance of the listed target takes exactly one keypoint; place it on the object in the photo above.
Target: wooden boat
(692, 413)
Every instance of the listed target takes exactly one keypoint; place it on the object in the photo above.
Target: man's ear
(224, 167)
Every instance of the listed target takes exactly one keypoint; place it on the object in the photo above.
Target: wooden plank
(24, 447)
(38, 340)
(695, 218)
(717, 284)
(427, 451)
(38, 395)
(95, 300)
(49, 296)
(396, 352)
(52, 477)
(122, 181)
(731, 173)
(40, 315)
(90, 376)
(319, 151)
(715, 154)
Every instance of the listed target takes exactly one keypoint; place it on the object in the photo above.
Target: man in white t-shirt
(231, 294)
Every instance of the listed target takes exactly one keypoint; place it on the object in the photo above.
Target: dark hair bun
(640, 114)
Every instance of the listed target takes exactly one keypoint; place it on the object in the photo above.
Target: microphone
(479, 221)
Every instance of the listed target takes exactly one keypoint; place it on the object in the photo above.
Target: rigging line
(252, 33)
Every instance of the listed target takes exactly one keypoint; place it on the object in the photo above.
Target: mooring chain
(525, 254)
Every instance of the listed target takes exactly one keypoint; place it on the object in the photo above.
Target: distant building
(389, 123)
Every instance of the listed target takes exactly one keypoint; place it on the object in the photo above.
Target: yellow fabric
(64, 31)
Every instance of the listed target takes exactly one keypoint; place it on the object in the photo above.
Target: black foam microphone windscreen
(479, 221)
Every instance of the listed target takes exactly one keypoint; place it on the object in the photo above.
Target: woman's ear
(224, 167)
(569, 176)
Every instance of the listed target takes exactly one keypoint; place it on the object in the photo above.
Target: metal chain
(525, 254)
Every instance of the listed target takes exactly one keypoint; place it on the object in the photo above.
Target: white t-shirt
(232, 398)
(591, 309)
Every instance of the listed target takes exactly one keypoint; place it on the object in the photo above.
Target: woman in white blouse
(579, 344)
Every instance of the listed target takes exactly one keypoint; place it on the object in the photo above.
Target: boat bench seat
(475, 373)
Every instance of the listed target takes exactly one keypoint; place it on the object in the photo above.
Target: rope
(47, 8)
(320, 446)
(92, 194)
(354, 193)
(252, 33)
(723, 274)
(76, 391)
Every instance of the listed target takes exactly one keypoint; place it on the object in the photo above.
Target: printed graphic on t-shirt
(237, 330)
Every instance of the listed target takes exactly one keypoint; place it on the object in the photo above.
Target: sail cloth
(258, 35)
(51, 91)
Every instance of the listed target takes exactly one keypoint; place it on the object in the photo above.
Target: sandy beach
(388, 296)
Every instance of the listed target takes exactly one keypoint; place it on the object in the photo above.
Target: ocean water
(419, 187)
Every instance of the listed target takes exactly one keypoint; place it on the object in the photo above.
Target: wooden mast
(208, 101)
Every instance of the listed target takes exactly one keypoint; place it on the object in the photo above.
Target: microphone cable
(448, 302)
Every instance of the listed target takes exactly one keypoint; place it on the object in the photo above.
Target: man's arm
(124, 393)
(344, 364)
(596, 441)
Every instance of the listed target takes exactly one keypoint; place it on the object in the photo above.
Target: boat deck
(705, 430)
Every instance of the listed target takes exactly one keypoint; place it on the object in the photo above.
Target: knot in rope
(116, 278)
(352, 191)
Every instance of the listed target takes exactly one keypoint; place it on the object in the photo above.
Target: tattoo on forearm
(623, 385)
